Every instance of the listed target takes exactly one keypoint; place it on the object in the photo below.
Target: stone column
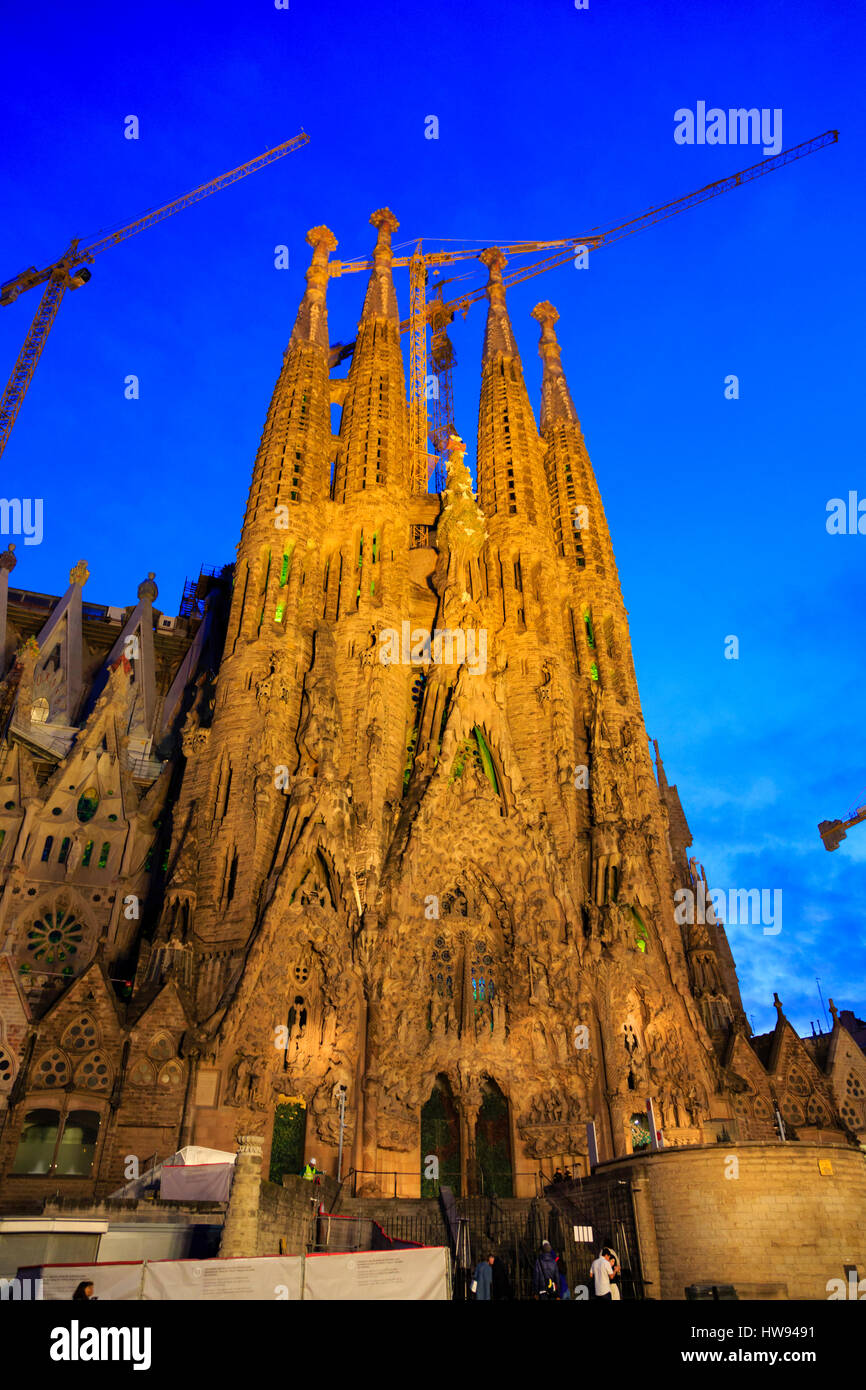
(241, 1229)
(645, 1225)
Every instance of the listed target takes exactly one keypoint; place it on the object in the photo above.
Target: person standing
(602, 1272)
(548, 1281)
(483, 1280)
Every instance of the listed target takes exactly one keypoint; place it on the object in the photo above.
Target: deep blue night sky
(551, 121)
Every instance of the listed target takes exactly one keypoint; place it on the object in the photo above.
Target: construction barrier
(419, 1275)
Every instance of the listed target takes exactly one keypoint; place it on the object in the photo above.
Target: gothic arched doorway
(287, 1142)
(493, 1168)
(440, 1140)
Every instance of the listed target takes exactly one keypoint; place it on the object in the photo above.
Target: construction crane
(832, 832)
(438, 314)
(70, 273)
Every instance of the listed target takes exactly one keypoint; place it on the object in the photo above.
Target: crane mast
(70, 272)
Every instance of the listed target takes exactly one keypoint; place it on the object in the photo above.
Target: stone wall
(289, 1214)
(754, 1215)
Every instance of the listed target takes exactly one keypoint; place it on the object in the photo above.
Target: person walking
(482, 1280)
(548, 1281)
(602, 1271)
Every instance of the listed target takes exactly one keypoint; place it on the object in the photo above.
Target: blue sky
(551, 121)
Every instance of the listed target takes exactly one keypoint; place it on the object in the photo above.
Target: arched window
(64, 850)
(77, 1144)
(46, 848)
(86, 856)
(52, 1070)
(38, 1141)
(103, 855)
(161, 1047)
(171, 1074)
(94, 1073)
(81, 1035)
(88, 804)
(39, 711)
(7, 1070)
(142, 1074)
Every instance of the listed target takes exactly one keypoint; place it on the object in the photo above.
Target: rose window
(797, 1084)
(171, 1074)
(5, 1068)
(53, 1070)
(161, 1047)
(853, 1086)
(55, 938)
(94, 1073)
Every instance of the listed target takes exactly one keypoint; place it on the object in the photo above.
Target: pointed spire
(510, 471)
(374, 427)
(460, 528)
(498, 335)
(660, 767)
(381, 298)
(311, 324)
(556, 402)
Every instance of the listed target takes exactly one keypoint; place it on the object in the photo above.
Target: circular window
(55, 937)
(56, 811)
(9, 806)
(88, 803)
(5, 1067)
(112, 816)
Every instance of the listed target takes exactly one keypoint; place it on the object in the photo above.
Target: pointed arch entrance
(289, 1135)
(493, 1165)
(440, 1139)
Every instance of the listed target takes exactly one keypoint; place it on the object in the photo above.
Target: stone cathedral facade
(283, 851)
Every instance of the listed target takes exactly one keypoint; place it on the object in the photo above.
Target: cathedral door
(440, 1139)
(493, 1145)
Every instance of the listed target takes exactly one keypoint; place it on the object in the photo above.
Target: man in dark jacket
(548, 1282)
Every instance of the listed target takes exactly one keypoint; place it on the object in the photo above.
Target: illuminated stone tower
(387, 829)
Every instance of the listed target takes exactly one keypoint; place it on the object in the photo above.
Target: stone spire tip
(545, 313)
(322, 237)
(495, 260)
(384, 219)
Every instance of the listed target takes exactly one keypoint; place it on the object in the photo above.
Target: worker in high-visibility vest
(310, 1170)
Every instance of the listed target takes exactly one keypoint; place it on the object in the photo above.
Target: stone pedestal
(241, 1230)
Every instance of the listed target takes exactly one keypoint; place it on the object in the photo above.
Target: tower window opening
(64, 850)
(85, 858)
(103, 855)
(587, 622)
(46, 848)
